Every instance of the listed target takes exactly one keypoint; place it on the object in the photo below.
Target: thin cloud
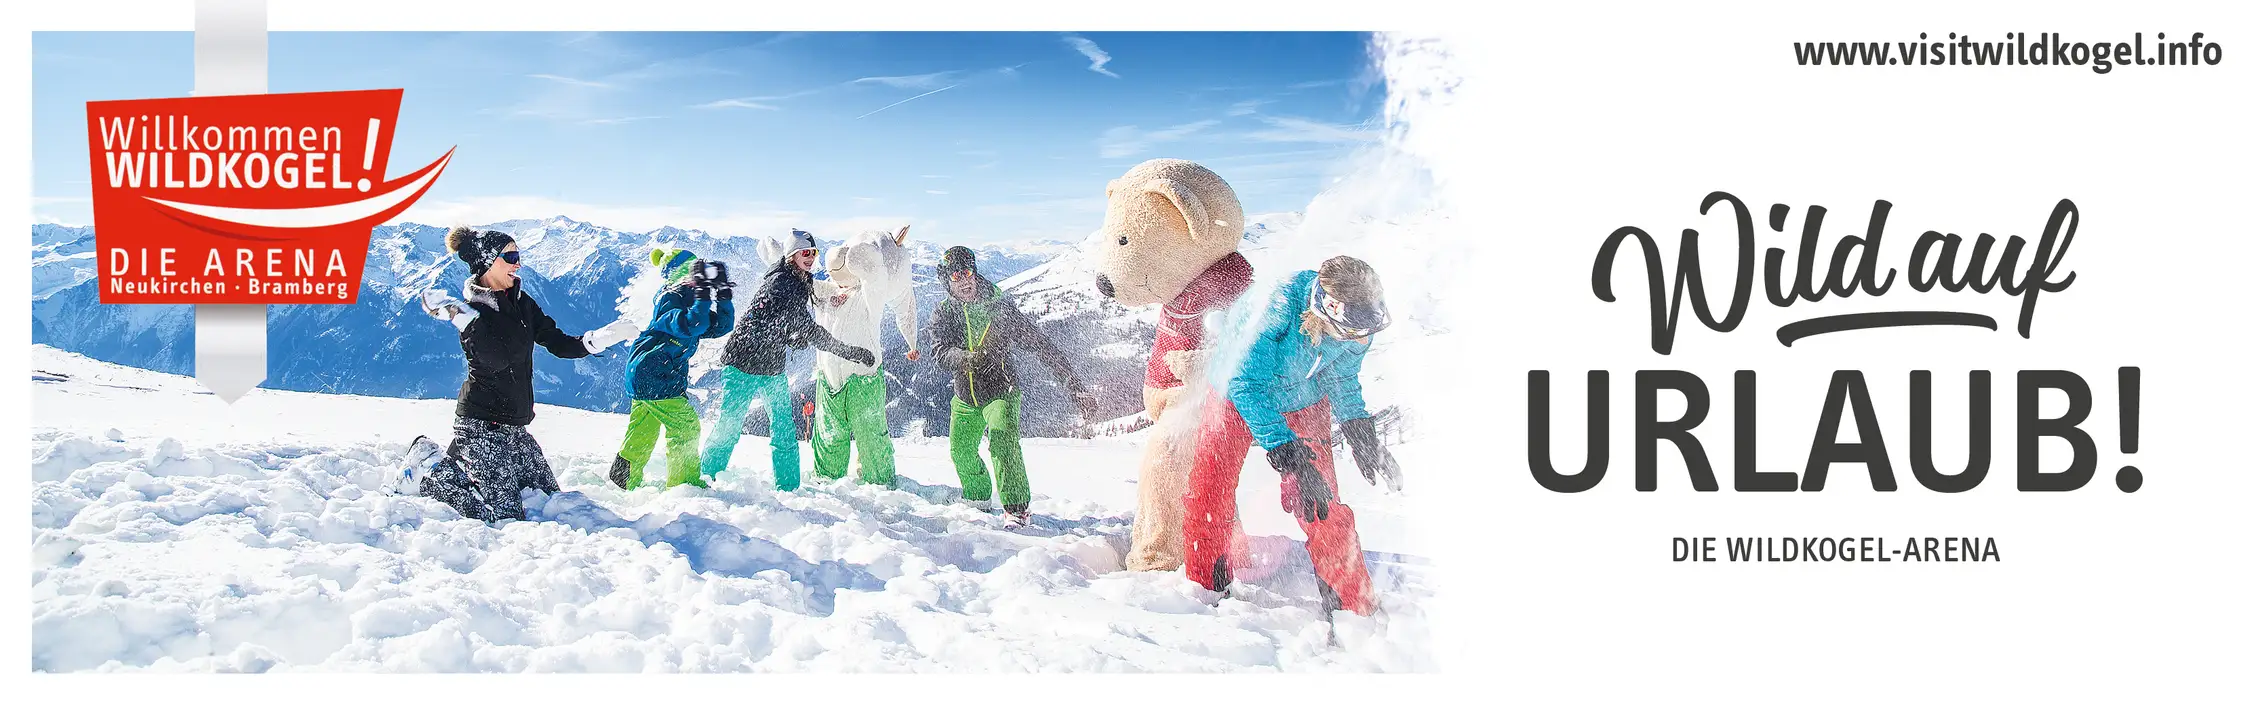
(737, 219)
(931, 83)
(937, 192)
(906, 100)
(1129, 141)
(546, 112)
(751, 103)
(1285, 129)
(620, 120)
(760, 102)
(1046, 208)
(919, 82)
(1091, 50)
(1246, 107)
(570, 81)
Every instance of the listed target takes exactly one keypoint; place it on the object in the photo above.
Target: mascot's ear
(1188, 205)
(902, 235)
(771, 251)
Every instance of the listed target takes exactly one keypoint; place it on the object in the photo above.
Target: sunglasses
(1336, 313)
(510, 257)
(961, 275)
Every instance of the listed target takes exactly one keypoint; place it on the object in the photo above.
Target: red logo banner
(250, 199)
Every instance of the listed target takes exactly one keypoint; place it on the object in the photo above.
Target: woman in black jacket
(754, 362)
(492, 458)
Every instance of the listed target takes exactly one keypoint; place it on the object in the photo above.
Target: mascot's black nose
(1105, 287)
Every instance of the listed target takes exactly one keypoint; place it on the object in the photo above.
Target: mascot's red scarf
(1181, 328)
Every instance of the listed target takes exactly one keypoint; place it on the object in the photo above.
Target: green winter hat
(675, 264)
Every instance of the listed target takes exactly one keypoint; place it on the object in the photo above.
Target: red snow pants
(1219, 450)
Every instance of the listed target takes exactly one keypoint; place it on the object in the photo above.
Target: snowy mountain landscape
(174, 532)
(381, 344)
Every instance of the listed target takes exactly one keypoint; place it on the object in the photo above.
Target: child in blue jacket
(687, 309)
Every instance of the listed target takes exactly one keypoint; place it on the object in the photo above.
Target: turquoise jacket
(1284, 371)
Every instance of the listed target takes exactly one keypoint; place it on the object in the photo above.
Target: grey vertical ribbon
(231, 59)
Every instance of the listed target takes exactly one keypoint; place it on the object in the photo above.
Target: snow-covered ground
(173, 532)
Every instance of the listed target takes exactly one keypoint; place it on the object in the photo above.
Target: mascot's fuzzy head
(873, 257)
(1167, 220)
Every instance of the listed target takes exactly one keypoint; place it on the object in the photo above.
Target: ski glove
(1365, 445)
(858, 356)
(618, 331)
(447, 308)
(1294, 460)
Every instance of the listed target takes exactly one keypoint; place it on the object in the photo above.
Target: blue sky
(969, 137)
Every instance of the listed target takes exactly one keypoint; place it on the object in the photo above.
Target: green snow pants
(739, 389)
(856, 413)
(1000, 419)
(645, 420)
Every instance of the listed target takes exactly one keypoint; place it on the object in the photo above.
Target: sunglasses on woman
(510, 257)
(1348, 322)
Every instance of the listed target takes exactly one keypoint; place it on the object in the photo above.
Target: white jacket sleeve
(906, 316)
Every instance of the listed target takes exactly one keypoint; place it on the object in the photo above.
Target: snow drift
(172, 532)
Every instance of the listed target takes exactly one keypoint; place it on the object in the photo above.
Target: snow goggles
(1348, 320)
(509, 257)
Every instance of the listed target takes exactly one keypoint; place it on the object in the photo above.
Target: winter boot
(423, 454)
(1017, 514)
(619, 474)
(1328, 599)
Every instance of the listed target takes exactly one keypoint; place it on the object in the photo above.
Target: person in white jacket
(861, 278)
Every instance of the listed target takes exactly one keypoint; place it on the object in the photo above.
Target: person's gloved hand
(440, 305)
(719, 280)
(1295, 460)
(618, 331)
(1372, 458)
(859, 356)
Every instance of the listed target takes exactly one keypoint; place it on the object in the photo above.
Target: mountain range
(582, 273)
